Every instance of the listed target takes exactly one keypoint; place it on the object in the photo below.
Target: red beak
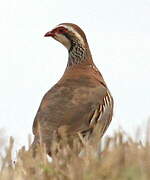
(50, 33)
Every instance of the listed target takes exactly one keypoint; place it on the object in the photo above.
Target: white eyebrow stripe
(70, 28)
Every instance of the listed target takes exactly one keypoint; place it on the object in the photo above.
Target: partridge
(80, 99)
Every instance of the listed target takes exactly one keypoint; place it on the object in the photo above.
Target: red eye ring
(61, 30)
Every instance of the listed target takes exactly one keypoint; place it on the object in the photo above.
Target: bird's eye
(61, 30)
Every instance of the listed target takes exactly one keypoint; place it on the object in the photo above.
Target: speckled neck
(78, 54)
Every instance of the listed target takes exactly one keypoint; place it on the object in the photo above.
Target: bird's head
(68, 34)
(74, 39)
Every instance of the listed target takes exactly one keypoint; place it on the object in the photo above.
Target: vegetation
(119, 158)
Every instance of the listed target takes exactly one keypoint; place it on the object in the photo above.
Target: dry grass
(120, 158)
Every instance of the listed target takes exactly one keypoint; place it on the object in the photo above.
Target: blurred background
(118, 33)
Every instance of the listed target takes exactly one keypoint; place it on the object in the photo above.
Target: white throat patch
(65, 41)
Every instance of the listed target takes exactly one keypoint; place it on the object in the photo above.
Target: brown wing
(68, 108)
(102, 116)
